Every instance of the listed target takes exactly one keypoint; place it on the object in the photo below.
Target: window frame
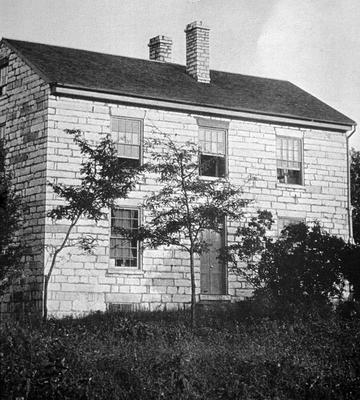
(301, 162)
(2, 131)
(141, 139)
(113, 266)
(214, 126)
(4, 65)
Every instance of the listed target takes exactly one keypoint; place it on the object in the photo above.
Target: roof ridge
(140, 59)
(158, 80)
(88, 51)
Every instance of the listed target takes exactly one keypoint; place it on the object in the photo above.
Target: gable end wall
(24, 110)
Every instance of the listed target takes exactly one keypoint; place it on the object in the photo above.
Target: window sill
(213, 178)
(290, 186)
(215, 297)
(124, 271)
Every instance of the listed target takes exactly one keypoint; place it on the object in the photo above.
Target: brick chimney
(160, 48)
(198, 51)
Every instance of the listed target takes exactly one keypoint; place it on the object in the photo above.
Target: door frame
(224, 242)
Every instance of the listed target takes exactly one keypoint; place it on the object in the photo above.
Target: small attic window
(3, 76)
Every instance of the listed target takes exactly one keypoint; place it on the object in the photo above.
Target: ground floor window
(286, 221)
(124, 251)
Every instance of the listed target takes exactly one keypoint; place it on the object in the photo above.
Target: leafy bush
(303, 266)
(10, 214)
(351, 268)
(355, 192)
(302, 270)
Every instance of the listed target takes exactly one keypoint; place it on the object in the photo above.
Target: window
(285, 221)
(124, 251)
(289, 160)
(127, 135)
(2, 131)
(3, 76)
(212, 143)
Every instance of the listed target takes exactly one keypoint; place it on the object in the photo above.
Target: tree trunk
(53, 262)
(193, 288)
(46, 284)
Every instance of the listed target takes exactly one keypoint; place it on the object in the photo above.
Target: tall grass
(157, 356)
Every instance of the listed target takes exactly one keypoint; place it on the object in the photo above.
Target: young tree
(104, 178)
(355, 192)
(10, 215)
(186, 205)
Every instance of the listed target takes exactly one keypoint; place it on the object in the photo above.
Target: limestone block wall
(23, 110)
(81, 282)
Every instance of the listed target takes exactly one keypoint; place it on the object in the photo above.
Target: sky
(315, 44)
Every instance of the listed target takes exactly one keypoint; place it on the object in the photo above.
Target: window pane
(212, 141)
(212, 166)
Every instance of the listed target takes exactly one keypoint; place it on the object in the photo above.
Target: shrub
(351, 269)
(302, 270)
(304, 266)
(10, 215)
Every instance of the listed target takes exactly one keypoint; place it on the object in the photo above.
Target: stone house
(295, 145)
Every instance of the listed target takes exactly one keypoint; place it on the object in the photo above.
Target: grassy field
(157, 356)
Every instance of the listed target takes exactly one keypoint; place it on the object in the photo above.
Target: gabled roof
(170, 82)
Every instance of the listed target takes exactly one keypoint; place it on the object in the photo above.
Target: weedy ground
(230, 355)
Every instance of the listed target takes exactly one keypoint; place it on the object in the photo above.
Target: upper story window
(212, 143)
(3, 76)
(124, 252)
(289, 160)
(127, 135)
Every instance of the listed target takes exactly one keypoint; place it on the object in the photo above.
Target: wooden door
(212, 271)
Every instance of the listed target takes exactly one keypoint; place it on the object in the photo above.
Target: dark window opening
(292, 177)
(212, 166)
(128, 162)
(283, 222)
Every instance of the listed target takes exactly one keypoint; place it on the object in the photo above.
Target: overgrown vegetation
(10, 216)
(355, 192)
(304, 268)
(155, 356)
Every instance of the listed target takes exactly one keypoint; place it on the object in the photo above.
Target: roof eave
(69, 90)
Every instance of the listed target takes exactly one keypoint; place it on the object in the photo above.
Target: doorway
(212, 270)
